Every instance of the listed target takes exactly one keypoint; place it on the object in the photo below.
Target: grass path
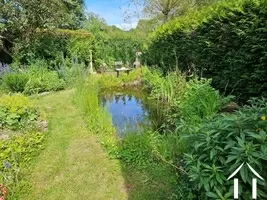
(73, 164)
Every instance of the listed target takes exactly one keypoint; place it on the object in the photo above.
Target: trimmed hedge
(226, 42)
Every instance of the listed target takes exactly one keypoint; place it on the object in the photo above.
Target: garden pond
(131, 111)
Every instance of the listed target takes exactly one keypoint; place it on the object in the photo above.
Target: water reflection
(128, 112)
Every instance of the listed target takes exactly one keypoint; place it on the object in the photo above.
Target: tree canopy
(165, 10)
(19, 19)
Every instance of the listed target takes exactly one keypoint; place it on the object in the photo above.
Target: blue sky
(112, 11)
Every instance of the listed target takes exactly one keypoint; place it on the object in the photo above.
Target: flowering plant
(3, 192)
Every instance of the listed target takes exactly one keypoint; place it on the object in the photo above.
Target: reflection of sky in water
(127, 113)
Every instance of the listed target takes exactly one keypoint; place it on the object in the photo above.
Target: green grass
(155, 182)
(73, 165)
(145, 178)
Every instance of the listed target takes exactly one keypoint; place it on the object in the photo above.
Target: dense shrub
(36, 78)
(51, 44)
(190, 101)
(200, 100)
(16, 112)
(118, 46)
(134, 75)
(220, 145)
(80, 46)
(225, 42)
(70, 70)
(167, 88)
(41, 79)
(15, 82)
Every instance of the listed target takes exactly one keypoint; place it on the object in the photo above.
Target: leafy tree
(146, 26)
(20, 19)
(164, 10)
(95, 24)
(75, 15)
(111, 43)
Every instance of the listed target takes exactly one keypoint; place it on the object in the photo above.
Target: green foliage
(80, 47)
(200, 100)
(152, 79)
(15, 82)
(134, 75)
(20, 25)
(185, 189)
(190, 101)
(225, 42)
(111, 43)
(16, 154)
(71, 71)
(165, 10)
(95, 24)
(220, 145)
(37, 77)
(97, 118)
(109, 81)
(117, 47)
(50, 45)
(41, 79)
(166, 94)
(16, 112)
(137, 149)
(167, 88)
(46, 45)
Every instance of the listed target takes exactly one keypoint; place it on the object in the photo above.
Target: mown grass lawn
(73, 165)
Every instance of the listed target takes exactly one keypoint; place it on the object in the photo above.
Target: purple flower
(7, 165)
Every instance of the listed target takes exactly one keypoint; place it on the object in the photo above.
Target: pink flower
(4, 190)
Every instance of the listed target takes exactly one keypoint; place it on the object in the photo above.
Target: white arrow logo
(254, 181)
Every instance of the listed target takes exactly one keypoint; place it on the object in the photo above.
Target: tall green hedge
(50, 44)
(226, 42)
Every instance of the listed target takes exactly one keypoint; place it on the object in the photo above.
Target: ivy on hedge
(226, 42)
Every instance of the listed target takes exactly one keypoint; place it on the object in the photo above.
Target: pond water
(129, 111)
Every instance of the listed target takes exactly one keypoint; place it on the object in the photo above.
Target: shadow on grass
(156, 182)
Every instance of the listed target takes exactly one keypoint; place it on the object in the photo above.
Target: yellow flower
(263, 117)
